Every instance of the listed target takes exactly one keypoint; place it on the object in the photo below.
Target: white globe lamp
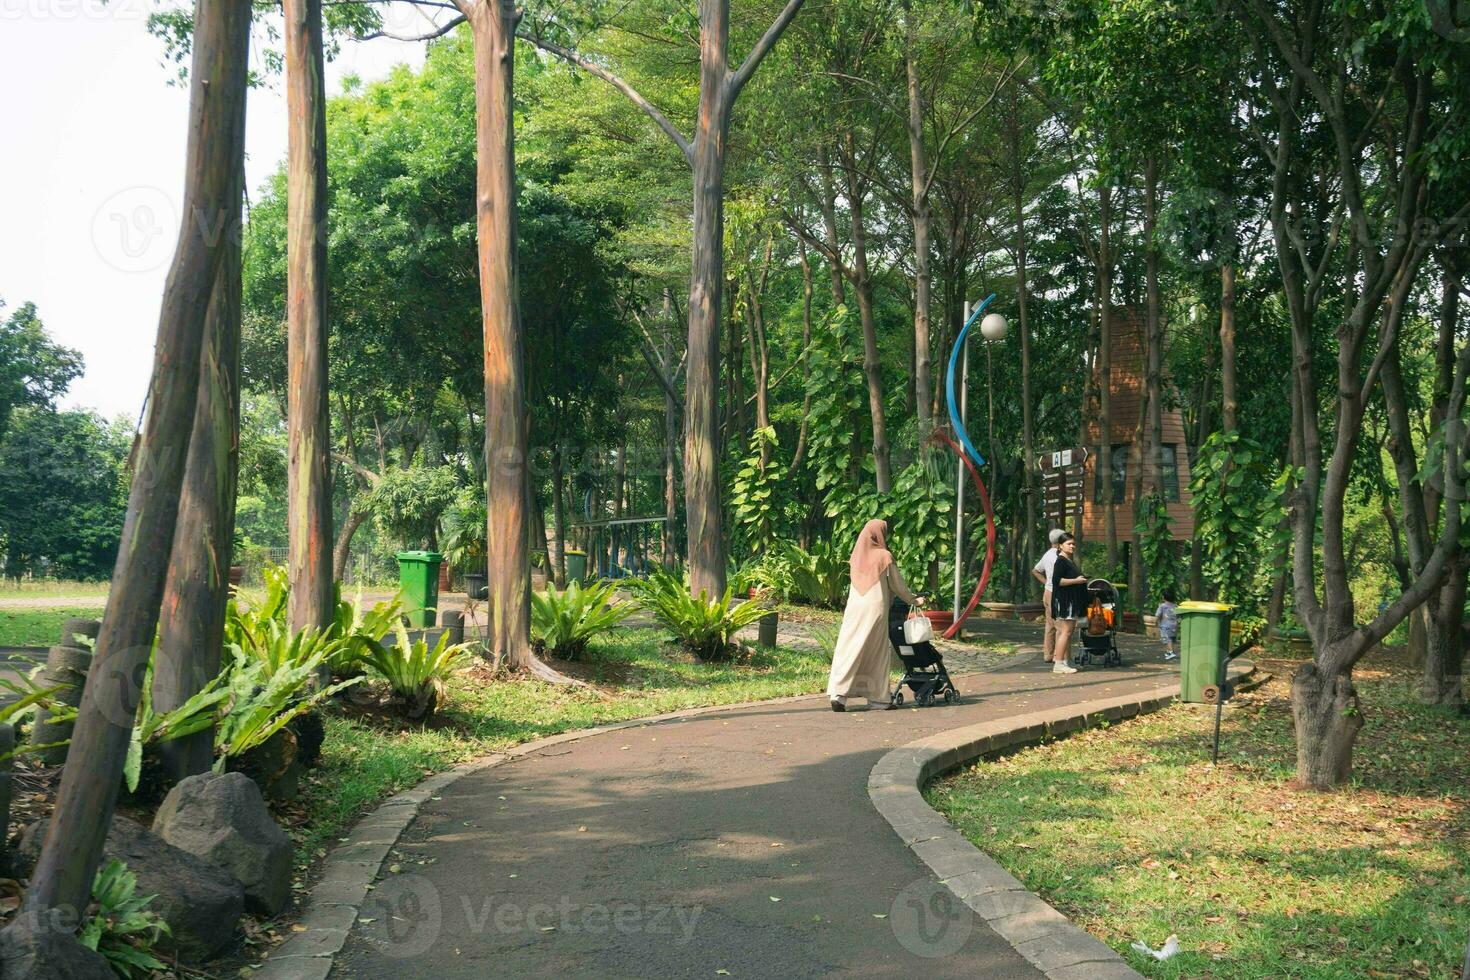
(994, 327)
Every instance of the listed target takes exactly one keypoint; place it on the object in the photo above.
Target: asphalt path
(738, 843)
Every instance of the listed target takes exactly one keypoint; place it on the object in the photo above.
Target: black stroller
(1100, 629)
(923, 667)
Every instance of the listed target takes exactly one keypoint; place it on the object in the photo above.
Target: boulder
(33, 949)
(222, 818)
(200, 902)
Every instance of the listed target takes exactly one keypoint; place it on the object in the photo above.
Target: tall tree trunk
(806, 343)
(919, 185)
(1105, 370)
(1028, 447)
(829, 224)
(671, 452)
(1154, 332)
(1229, 404)
(507, 428)
(559, 516)
(702, 506)
(72, 850)
(191, 624)
(308, 475)
(863, 285)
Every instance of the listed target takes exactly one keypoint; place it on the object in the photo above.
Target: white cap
(1055, 536)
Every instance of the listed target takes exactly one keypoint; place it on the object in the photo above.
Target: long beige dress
(863, 655)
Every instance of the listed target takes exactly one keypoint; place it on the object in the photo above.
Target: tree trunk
(829, 225)
(1154, 333)
(72, 850)
(1028, 448)
(507, 429)
(559, 516)
(1325, 709)
(806, 343)
(191, 622)
(671, 457)
(1105, 372)
(863, 285)
(919, 181)
(1444, 658)
(702, 506)
(342, 551)
(1228, 403)
(309, 491)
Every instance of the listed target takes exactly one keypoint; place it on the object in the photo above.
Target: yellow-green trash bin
(576, 565)
(1204, 644)
(418, 580)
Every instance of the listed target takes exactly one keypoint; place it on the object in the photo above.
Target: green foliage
(33, 369)
(703, 626)
(920, 516)
(262, 704)
(465, 526)
(406, 502)
(835, 382)
(415, 672)
(565, 622)
(122, 928)
(755, 496)
(63, 492)
(820, 576)
(1238, 511)
(1156, 541)
(355, 625)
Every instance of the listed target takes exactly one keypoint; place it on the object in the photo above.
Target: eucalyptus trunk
(1104, 469)
(923, 236)
(863, 285)
(82, 815)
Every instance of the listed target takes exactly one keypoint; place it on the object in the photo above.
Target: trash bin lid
(419, 556)
(1194, 606)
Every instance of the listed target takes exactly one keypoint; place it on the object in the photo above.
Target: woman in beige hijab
(862, 656)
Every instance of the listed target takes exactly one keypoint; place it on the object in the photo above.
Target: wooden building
(1128, 374)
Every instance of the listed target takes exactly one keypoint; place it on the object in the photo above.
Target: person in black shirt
(1068, 602)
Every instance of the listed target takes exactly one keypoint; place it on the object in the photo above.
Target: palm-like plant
(565, 622)
(819, 576)
(705, 627)
(122, 929)
(415, 671)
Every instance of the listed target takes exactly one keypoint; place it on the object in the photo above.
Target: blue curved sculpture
(954, 408)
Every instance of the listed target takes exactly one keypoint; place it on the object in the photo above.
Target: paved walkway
(738, 843)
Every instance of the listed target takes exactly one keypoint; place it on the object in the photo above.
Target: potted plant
(464, 542)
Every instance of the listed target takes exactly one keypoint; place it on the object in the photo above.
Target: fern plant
(819, 576)
(263, 702)
(565, 622)
(703, 626)
(414, 671)
(122, 929)
(354, 625)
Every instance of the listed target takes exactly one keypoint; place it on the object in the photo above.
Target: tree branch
(736, 81)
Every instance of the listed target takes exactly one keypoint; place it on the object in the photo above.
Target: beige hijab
(870, 557)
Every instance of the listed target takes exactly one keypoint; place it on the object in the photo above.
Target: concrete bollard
(66, 663)
(453, 622)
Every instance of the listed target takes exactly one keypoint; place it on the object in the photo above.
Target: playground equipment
(992, 328)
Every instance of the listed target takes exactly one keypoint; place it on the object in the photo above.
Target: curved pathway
(738, 843)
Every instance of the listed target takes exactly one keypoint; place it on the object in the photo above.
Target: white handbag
(917, 629)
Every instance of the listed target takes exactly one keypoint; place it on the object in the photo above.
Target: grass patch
(1133, 835)
(368, 757)
(28, 587)
(37, 627)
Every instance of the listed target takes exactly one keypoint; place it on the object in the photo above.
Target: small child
(1167, 616)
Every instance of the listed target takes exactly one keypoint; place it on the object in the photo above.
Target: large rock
(33, 949)
(222, 818)
(200, 902)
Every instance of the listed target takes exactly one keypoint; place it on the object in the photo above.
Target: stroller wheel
(951, 696)
(926, 699)
(898, 697)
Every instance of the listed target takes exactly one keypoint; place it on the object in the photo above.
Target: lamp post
(993, 329)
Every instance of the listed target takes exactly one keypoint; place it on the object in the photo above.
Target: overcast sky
(91, 173)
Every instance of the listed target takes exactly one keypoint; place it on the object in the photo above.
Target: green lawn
(37, 627)
(1129, 832)
(368, 758)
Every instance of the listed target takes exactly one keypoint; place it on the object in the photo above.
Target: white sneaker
(1171, 656)
(1062, 667)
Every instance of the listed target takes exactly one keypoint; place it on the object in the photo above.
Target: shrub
(565, 622)
(415, 673)
(705, 627)
(819, 576)
(122, 929)
(356, 626)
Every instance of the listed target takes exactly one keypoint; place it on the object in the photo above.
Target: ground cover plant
(38, 627)
(1130, 833)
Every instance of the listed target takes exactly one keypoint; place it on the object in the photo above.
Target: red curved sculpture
(989, 533)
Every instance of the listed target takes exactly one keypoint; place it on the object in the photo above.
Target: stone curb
(352, 867)
(1041, 934)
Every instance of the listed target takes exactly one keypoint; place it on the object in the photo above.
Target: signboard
(1061, 483)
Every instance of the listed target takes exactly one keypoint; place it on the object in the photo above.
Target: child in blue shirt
(1167, 616)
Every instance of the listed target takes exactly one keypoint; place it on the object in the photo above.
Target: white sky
(91, 171)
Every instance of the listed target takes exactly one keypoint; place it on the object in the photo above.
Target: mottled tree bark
(308, 477)
(1104, 467)
(72, 850)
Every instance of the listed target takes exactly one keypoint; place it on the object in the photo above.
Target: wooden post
(72, 850)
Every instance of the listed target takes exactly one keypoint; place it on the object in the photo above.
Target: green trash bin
(418, 580)
(1204, 645)
(576, 565)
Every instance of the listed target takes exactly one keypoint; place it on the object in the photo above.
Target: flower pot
(1151, 627)
(997, 610)
(444, 578)
(236, 574)
(1131, 622)
(476, 586)
(768, 624)
(940, 619)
